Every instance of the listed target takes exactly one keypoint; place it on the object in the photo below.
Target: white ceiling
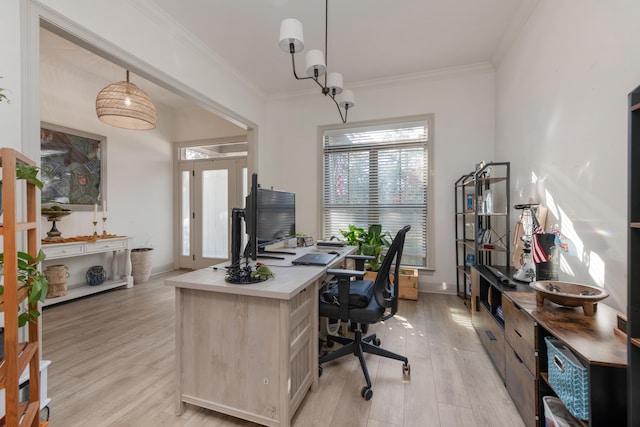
(368, 39)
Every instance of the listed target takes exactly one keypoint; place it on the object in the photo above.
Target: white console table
(55, 251)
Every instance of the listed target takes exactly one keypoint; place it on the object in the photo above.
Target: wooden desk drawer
(53, 252)
(492, 338)
(106, 246)
(520, 333)
(521, 385)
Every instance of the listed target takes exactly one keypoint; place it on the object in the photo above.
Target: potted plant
(33, 280)
(372, 242)
(369, 242)
(28, 173)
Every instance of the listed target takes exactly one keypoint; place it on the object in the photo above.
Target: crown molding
(436, 74)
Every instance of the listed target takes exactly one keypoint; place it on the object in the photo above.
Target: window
(378, 175)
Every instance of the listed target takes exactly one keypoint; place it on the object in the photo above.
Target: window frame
(429, 119)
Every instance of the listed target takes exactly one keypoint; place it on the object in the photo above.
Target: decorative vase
(96, 275)
(141, 264)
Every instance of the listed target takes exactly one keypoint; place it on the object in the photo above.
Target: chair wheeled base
(358, 346)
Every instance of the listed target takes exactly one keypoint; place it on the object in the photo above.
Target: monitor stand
(262, 251)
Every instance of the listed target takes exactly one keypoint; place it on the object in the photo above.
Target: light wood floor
(113, 365)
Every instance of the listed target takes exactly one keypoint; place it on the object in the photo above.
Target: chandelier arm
(293, 65)
(324, 88)
(346, 109)
(336, 80)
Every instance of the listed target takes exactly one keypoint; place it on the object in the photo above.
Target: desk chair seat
(364, 302)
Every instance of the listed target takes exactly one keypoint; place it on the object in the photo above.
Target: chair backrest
(385, 289)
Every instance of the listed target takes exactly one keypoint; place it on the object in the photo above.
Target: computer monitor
(276, 216)
(269, 215)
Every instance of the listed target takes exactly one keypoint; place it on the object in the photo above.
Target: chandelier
(291, 41)
(125, 105)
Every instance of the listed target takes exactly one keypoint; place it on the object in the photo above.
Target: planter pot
(57, 276)
(141, 264)
(408, 282)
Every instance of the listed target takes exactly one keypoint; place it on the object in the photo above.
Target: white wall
(463, 104)
(139, 164)
(139, 171)
(10, 73)
(562, 122)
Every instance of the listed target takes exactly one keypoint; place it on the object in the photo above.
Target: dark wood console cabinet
(515, 345)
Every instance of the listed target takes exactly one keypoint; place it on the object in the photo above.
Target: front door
(209, 189)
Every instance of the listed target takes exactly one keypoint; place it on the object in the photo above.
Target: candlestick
(104, 223)
(95, 223)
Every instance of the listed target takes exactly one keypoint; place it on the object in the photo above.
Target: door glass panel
(185, 213)
(245, 193)
(215, 213)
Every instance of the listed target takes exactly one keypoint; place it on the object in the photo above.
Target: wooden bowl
(569, 294)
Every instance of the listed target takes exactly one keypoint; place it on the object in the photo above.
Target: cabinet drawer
(53, 252)
(106, 246)
(521, 386)
(520, 333)
(492, 338)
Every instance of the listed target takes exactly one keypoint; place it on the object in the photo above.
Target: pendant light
(126, 106)
(292, 41)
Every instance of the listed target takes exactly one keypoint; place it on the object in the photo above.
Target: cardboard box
(408, 282)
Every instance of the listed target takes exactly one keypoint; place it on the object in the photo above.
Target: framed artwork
(75, 161)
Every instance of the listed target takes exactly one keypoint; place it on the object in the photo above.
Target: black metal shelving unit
(472, 216)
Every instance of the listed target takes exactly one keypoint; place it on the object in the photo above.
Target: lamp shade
(125, 105)
(334, 83)
(291, 32)
(315, 62)
(346, 99)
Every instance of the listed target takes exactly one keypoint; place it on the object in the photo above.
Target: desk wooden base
(246, 356)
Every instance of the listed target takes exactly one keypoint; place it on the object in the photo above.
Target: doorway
(209, 189)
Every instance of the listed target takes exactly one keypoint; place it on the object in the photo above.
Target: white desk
(250, 351)
(55, 251)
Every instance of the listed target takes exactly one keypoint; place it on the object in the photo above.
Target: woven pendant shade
(125, 105)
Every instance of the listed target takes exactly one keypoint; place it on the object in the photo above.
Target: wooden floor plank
(113, 364)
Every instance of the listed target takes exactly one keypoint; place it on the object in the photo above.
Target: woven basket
(141, 259)
(57, 277)
(568, 378)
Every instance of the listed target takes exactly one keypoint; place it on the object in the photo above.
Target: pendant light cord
(326, 36)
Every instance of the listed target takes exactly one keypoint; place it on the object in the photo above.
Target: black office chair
(363, 302)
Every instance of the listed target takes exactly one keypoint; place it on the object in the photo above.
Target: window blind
(378, 175)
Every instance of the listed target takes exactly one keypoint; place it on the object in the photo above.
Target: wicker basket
(57, 277)
(141, 259)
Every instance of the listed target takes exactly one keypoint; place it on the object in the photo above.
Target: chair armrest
(365, 257)
(340, 273)
(344, 289)
(359, 260)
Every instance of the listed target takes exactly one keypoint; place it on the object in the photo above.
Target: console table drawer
(106, 246)
(492, 338)
(521, 385)
(520, 333)
(53, 252)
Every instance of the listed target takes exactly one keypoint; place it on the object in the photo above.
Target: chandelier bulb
(291, 34)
